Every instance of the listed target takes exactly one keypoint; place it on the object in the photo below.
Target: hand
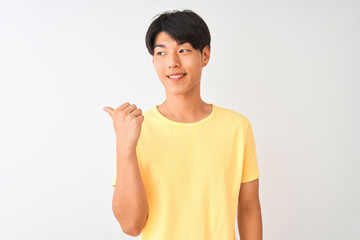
(127, 122)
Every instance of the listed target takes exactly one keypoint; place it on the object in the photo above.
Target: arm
(130, 205)
(249, 211)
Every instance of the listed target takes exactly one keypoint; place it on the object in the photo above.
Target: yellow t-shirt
(192, 174)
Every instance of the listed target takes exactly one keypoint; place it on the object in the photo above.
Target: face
(170, 58)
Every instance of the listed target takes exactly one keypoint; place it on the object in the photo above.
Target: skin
(130, 205)
(184, 104)
(249, 212)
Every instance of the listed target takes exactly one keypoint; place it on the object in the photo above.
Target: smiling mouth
(176, 77)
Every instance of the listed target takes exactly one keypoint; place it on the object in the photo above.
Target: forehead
(164, 40)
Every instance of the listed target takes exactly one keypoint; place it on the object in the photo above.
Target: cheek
(158, 68)
(159, 65)
(193, 64)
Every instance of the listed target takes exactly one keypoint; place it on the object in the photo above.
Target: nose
(174, 61)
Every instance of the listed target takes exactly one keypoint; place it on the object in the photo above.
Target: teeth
(176, 76)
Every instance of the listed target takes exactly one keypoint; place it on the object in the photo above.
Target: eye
(159, 53)
(184, 50)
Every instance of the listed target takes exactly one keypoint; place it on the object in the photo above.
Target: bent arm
(129, 204)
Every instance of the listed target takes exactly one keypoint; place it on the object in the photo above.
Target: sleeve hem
(251, 178)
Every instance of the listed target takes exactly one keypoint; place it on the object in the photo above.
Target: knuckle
(121, 113)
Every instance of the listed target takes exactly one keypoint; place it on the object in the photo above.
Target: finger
(109, 110)
(123, 106)
(130, 108)
(141, 118)
(136, 112)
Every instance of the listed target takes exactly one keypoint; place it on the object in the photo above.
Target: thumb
(109, 110)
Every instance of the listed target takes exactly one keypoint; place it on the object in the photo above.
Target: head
(179, 42)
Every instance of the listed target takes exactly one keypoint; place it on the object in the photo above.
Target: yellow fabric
(192, 174)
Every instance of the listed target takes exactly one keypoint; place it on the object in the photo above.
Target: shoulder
(232, 116)
(148, 112)
(149, 116)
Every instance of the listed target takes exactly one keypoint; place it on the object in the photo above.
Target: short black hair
(182, 26)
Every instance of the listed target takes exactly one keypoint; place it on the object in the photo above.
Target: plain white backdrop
(291, 67)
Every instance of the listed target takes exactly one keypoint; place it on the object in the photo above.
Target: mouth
(176, 77)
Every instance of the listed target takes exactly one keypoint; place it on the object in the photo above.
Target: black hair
(183, 26)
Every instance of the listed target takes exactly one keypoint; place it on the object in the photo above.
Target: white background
(291, 67)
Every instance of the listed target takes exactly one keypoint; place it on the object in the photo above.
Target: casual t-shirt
(192, 173)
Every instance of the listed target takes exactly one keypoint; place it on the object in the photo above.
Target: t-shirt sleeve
(250, 165)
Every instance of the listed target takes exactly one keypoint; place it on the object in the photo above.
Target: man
(185, 167)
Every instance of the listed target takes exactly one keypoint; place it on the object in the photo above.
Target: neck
(187, 107)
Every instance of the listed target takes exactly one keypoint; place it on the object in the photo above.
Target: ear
(206, 55)
(152, 60)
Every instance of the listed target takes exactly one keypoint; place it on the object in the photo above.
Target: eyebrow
(164, 46)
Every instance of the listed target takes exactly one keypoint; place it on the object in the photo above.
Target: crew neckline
(207, 118)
